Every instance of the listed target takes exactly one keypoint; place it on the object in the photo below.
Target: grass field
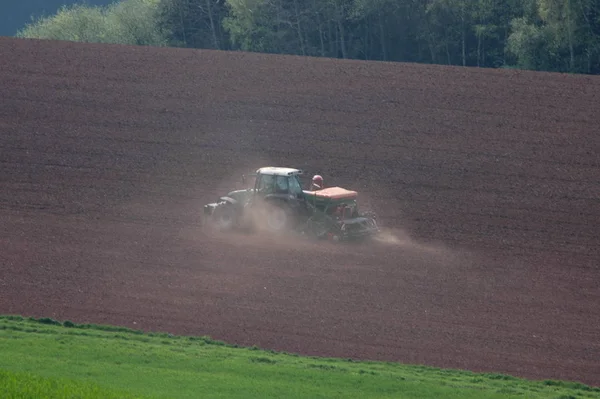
(46, 358)
(29, 385)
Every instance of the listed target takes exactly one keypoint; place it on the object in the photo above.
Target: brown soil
(485, 180)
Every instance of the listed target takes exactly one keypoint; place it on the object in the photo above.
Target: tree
(195, 23)
(135, 22)
(128, 22)
(527, 43)
(560, 35)
(74, 23)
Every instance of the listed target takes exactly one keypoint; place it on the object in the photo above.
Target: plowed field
(486, 181)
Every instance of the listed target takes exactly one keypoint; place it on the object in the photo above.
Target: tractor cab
(278, 182)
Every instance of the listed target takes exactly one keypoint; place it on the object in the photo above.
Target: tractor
(278, 203)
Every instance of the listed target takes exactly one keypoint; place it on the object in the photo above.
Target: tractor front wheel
(224, 217)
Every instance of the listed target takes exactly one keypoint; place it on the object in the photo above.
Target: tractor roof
(274, 170)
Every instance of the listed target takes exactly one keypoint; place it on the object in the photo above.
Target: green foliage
(126, 22)
(135, 22)
(195, 24)
(249, 25)
(526, 43)
(551, 35)
(559, 35)
(75, 23)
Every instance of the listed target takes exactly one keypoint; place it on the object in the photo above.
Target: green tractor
(278, 203)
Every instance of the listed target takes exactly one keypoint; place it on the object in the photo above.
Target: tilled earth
(486, 182)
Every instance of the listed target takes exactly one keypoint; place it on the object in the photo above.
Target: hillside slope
(486, 180)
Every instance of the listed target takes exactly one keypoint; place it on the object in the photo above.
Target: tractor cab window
(266, 183)
(294, 185)
(281, 183)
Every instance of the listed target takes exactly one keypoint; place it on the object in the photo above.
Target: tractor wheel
(278, 218)
(224, 217)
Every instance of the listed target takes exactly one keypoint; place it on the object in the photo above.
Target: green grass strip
(30, 386)
(59, 357)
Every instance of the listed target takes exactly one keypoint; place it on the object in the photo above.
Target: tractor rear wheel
(278, 218)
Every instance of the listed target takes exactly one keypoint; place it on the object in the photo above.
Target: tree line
(549, 35)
